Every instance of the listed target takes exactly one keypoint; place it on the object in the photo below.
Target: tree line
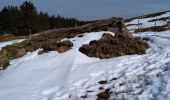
(25, 18)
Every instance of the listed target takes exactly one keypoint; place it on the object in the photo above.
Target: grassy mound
(109, 46)
(18, 50)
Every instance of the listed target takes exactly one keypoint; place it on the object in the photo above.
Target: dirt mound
(109, 46)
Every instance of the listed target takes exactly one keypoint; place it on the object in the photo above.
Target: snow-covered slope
(3, 44)
(70, 75)
(145, 22)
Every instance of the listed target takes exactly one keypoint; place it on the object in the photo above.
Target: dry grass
(49, 40)
(18, 50)
(104, 95)
(153, 29)
(109, 46)
(4, 38)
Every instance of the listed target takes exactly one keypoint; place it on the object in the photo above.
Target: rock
(81, 35)
(101, 88)
(114, 78)
(84, 96)
(102, 82)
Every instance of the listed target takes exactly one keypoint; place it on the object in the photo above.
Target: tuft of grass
(104, 95)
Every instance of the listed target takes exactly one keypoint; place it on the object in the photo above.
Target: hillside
(152, 22)
(75, 75)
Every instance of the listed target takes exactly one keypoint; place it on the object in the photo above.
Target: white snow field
(70, 75)
(145, 22)
(3, 44)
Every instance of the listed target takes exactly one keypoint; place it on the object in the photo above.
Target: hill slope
(158, 20)
(74, 76)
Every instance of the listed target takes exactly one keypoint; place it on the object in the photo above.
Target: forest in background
(25, 19)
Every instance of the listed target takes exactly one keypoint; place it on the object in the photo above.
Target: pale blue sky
(95, 9)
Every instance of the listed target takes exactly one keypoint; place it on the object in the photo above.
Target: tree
(44, 23)
(5, 19)
(29, 17)
(19, 21)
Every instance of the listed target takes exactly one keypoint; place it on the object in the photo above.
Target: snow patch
(70, 75)
(3, 44)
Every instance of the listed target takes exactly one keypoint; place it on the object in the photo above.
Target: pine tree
(19, 21)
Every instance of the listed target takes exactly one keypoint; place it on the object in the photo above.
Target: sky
(95, 9)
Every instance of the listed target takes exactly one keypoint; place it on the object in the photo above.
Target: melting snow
(145, 22)
(3, 44)
(70, 75)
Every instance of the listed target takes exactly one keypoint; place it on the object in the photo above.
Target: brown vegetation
(104, 95)
(50, 41)
(18, 50)
(9, 37)
(153, 29)
(109, 46)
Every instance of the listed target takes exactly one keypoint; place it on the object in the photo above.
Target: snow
(3, 44)
(145, 22)
(70, 75)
